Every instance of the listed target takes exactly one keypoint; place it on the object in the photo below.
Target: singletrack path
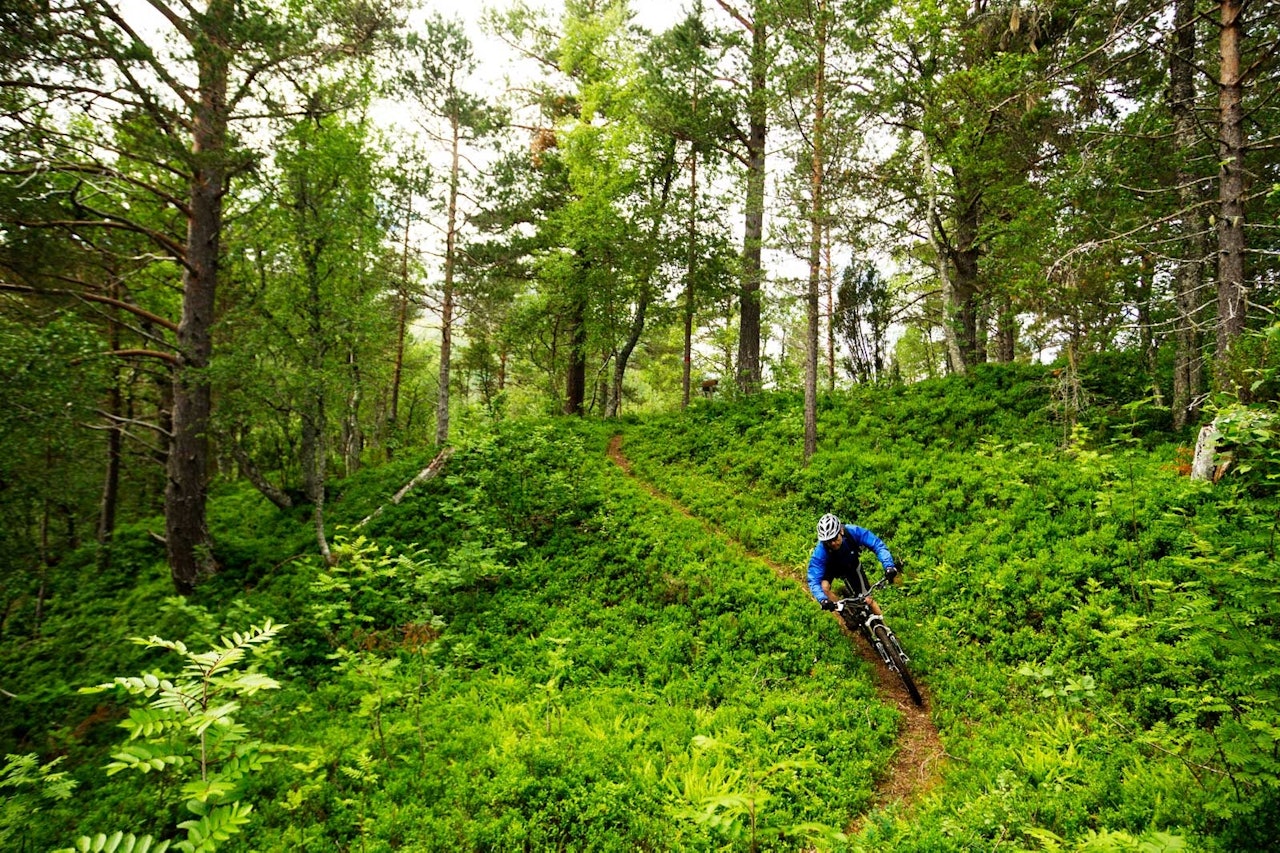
(916, 766)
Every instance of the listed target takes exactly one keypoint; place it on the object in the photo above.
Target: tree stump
(1206, 446)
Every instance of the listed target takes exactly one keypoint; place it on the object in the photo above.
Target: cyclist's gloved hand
(890, 572)
(828, 604)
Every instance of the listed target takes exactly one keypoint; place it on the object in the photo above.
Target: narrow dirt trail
(917, 765)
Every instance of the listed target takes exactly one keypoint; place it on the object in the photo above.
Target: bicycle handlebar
(880, 584)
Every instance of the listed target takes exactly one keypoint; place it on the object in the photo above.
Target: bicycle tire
(891, 649)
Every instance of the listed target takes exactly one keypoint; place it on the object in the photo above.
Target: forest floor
(917, 764)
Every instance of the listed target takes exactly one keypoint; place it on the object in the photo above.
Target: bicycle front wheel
(897, 663)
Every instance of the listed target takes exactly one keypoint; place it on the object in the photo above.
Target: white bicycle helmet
(828, 527)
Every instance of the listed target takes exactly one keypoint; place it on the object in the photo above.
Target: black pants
(857, 583)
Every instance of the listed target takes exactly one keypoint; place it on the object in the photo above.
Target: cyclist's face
(833, 544)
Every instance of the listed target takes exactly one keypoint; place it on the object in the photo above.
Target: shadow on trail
(917, 764)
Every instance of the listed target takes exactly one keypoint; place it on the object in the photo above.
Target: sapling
(187, 729)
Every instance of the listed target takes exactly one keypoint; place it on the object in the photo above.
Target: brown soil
(917, 764)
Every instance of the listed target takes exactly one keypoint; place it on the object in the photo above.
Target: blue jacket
(827, 565)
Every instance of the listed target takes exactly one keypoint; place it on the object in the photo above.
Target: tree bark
(315, 418)
(1202, 462)
(111, 477)
(190, 548)
(749, 368)
(254, 475)
(576, 374)
(352, 435)
(422, 476)
(402, 322)
(691, 262)
(965, 309)
(1006, 332)
(816, 216)
(942, 260)
(624, 355)
(829, 279)
(1147, 342)
(446, 305)
(1188, 377)
(313, 460)
(1231, 190)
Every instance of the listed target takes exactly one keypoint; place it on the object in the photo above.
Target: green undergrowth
(1096, 630)
(529, 652)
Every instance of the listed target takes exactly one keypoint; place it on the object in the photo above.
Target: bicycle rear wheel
(897, 663)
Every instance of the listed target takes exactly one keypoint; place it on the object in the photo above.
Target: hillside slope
(536, 651)
(917, 752)
(1094, 627)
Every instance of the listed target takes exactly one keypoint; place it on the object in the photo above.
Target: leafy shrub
(1024, 556)
(187, 733)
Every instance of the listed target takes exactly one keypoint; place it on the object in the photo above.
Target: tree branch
(94, 297)
(147, 353)
(425, 474)
(737, 16)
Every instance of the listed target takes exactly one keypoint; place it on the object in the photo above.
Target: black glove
(890, 572)
(828, 604)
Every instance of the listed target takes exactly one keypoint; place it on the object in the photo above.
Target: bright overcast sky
(654, 15)
(494, 57)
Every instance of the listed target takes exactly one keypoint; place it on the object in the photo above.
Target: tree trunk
(829, 278)
(749, 369)
(190, 549)
(576, 374)
(965, 310)
(422, 476)
(1231, 191)
(315, 419)
(446, 306)
(942, 260)
(1147, 342)
(816, 215)
(691, 263)
(317, 515)
(402, 322)
(1202, 463)
(1006, 332)
(254, 475)
(352, 435)
(1188, 381)
(111, 477)
(313, 456)
(624, 355)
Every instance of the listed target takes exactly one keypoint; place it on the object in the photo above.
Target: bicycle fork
(869, 627)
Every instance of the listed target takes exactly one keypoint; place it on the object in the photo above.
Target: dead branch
(425, 474)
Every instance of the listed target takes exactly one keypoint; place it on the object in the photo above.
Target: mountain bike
(857, 614)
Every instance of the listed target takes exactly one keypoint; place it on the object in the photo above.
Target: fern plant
(187, 729)
(26, 786)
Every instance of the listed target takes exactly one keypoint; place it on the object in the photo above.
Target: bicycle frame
(857, 614)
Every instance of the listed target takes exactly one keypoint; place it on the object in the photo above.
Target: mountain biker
(836, 557)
